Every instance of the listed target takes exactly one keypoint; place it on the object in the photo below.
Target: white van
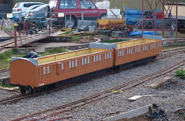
(21, 7)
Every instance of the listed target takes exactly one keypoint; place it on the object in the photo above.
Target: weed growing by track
(180, 73)
(7, 86)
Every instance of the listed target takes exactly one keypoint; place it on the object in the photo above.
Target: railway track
(99, 96)
(23, 39)
(14, 99)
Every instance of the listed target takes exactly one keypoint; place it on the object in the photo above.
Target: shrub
(180, 73)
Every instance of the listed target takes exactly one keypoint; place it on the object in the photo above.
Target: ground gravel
(170, 97)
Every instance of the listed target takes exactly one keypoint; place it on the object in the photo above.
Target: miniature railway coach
(64, 68)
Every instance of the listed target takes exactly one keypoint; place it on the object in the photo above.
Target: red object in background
(18, 9)
(31, 14)
(160, 15)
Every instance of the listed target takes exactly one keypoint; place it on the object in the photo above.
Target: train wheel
(31, 90)
(22, 90)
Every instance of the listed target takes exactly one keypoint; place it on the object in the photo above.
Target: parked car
(37, 14)
(64, 8)
(22, 6)
(28, 9)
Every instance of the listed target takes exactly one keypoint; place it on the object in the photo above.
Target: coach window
(123, 52)
(73, 63)
(76, 62)
(151, 46)
(110, 54)
(68, 4)
(48, 69)
(62, 66)
(118, 53)
(85, 60)
(136, 49)
(94, 58)
(44, 70)
(69, 64)
(99, 57)
(106, 55)
(88, 59)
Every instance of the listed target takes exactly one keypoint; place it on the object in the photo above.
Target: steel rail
(96, 97)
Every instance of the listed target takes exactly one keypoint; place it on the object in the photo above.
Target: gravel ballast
(169, 97)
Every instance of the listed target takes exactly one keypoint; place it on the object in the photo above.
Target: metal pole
(82, 17)
(26, 27)
(2, 25)
(70, 21)
(15, 35)
(20, 34)
(65, 22)
(50, 17)
(155, 15)
(49, 28)
(163, 19)
(124, 13)
(142, 16)
(176, 18)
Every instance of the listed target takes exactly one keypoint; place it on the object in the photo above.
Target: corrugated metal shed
(137, 4)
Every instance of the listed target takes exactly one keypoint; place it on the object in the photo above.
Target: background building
(136, 4)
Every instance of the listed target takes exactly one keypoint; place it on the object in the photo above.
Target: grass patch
(105, 34)
(180, 73)
(75, 38)
(7, 86)
(114, 41)
(5, 63)
(56, 50)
